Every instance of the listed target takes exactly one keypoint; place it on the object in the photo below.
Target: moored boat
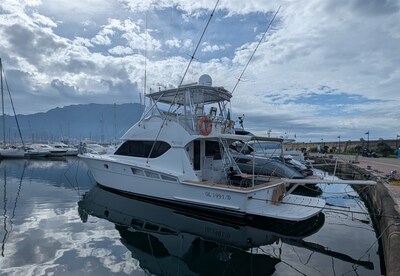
(12, 152)
(158, 235)
(69, 150)
(45, 150)
(181, 155)
(7, 151)
(250, 161)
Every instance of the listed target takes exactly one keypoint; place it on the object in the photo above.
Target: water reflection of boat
(67, 172)
(8, 218)
(172, 241)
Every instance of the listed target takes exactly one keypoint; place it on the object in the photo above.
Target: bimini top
(197, 93)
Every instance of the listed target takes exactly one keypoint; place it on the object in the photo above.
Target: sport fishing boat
(160, 236)
(178, 153)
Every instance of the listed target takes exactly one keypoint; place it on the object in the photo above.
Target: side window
(143, 148)
(212, 149)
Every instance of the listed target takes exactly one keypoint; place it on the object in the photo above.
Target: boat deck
(266, 181)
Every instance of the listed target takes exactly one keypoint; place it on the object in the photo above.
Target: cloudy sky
(325, 68)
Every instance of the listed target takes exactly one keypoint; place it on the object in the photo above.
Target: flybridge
(193, 94)
(199, 107)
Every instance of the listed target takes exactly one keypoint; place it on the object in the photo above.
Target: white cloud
(101, 40)
(43, 20)
(121, 51)
(80, 41)
(78, 11)
(187, 43)
(173, 43)
(94, 47)
(213, 48)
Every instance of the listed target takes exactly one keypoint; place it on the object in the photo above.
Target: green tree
(384, 149)
(358, 149)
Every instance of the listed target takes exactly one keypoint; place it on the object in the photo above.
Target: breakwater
(381, 202)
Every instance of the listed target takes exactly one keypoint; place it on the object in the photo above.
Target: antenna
(115, 124)
(183, 77)
(2, 105)
(145, 65)
(255, 50)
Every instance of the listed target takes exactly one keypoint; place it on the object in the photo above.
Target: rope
(255, 49)
(377, 239)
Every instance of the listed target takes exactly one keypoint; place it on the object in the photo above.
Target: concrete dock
(383, 199)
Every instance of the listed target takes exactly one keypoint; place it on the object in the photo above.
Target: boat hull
(12, 153)
(144, 182)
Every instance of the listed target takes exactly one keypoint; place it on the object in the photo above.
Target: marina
(121, 155)
(57, 220)
(223, 178)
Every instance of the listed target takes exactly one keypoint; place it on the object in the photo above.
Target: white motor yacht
(179, 153)
(69, 150)
(12, 152)
(44, 150)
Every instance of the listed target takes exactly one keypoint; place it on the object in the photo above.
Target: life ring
(205, 126)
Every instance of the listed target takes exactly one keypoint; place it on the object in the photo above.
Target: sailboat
(181, 156)
(8, 151)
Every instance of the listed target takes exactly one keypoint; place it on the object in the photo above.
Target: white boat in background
(44, 150)
(93, 148)
(251, 161)
(181, 155)
(274, 149)
(70, 151)
(12, 152)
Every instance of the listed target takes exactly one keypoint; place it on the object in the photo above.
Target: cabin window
(212, 149)
(152, 174)
(169, 178)
(196, 155)
(143, 148)
(167, 231)
(137, 171)
(151, 227)
(137, 222)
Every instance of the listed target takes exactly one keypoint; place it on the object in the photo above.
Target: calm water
(50, 228)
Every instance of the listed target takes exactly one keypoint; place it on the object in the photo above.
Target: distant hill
(97, 122)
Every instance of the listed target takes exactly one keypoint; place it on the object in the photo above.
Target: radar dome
(205, 80)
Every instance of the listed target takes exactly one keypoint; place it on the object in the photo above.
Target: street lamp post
(367, 140)
(322, 145)
(339, 143)
(397, 142)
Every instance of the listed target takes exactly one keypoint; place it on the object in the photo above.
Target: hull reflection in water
(171, 241)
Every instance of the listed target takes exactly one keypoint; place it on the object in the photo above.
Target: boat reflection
(170, 241)
(9, 215)
(70, 170)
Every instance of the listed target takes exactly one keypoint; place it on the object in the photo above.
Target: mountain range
(103, 123)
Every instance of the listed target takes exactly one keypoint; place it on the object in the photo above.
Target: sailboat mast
(145, 68)
(2, 105)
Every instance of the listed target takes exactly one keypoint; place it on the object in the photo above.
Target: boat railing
(192, 123)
